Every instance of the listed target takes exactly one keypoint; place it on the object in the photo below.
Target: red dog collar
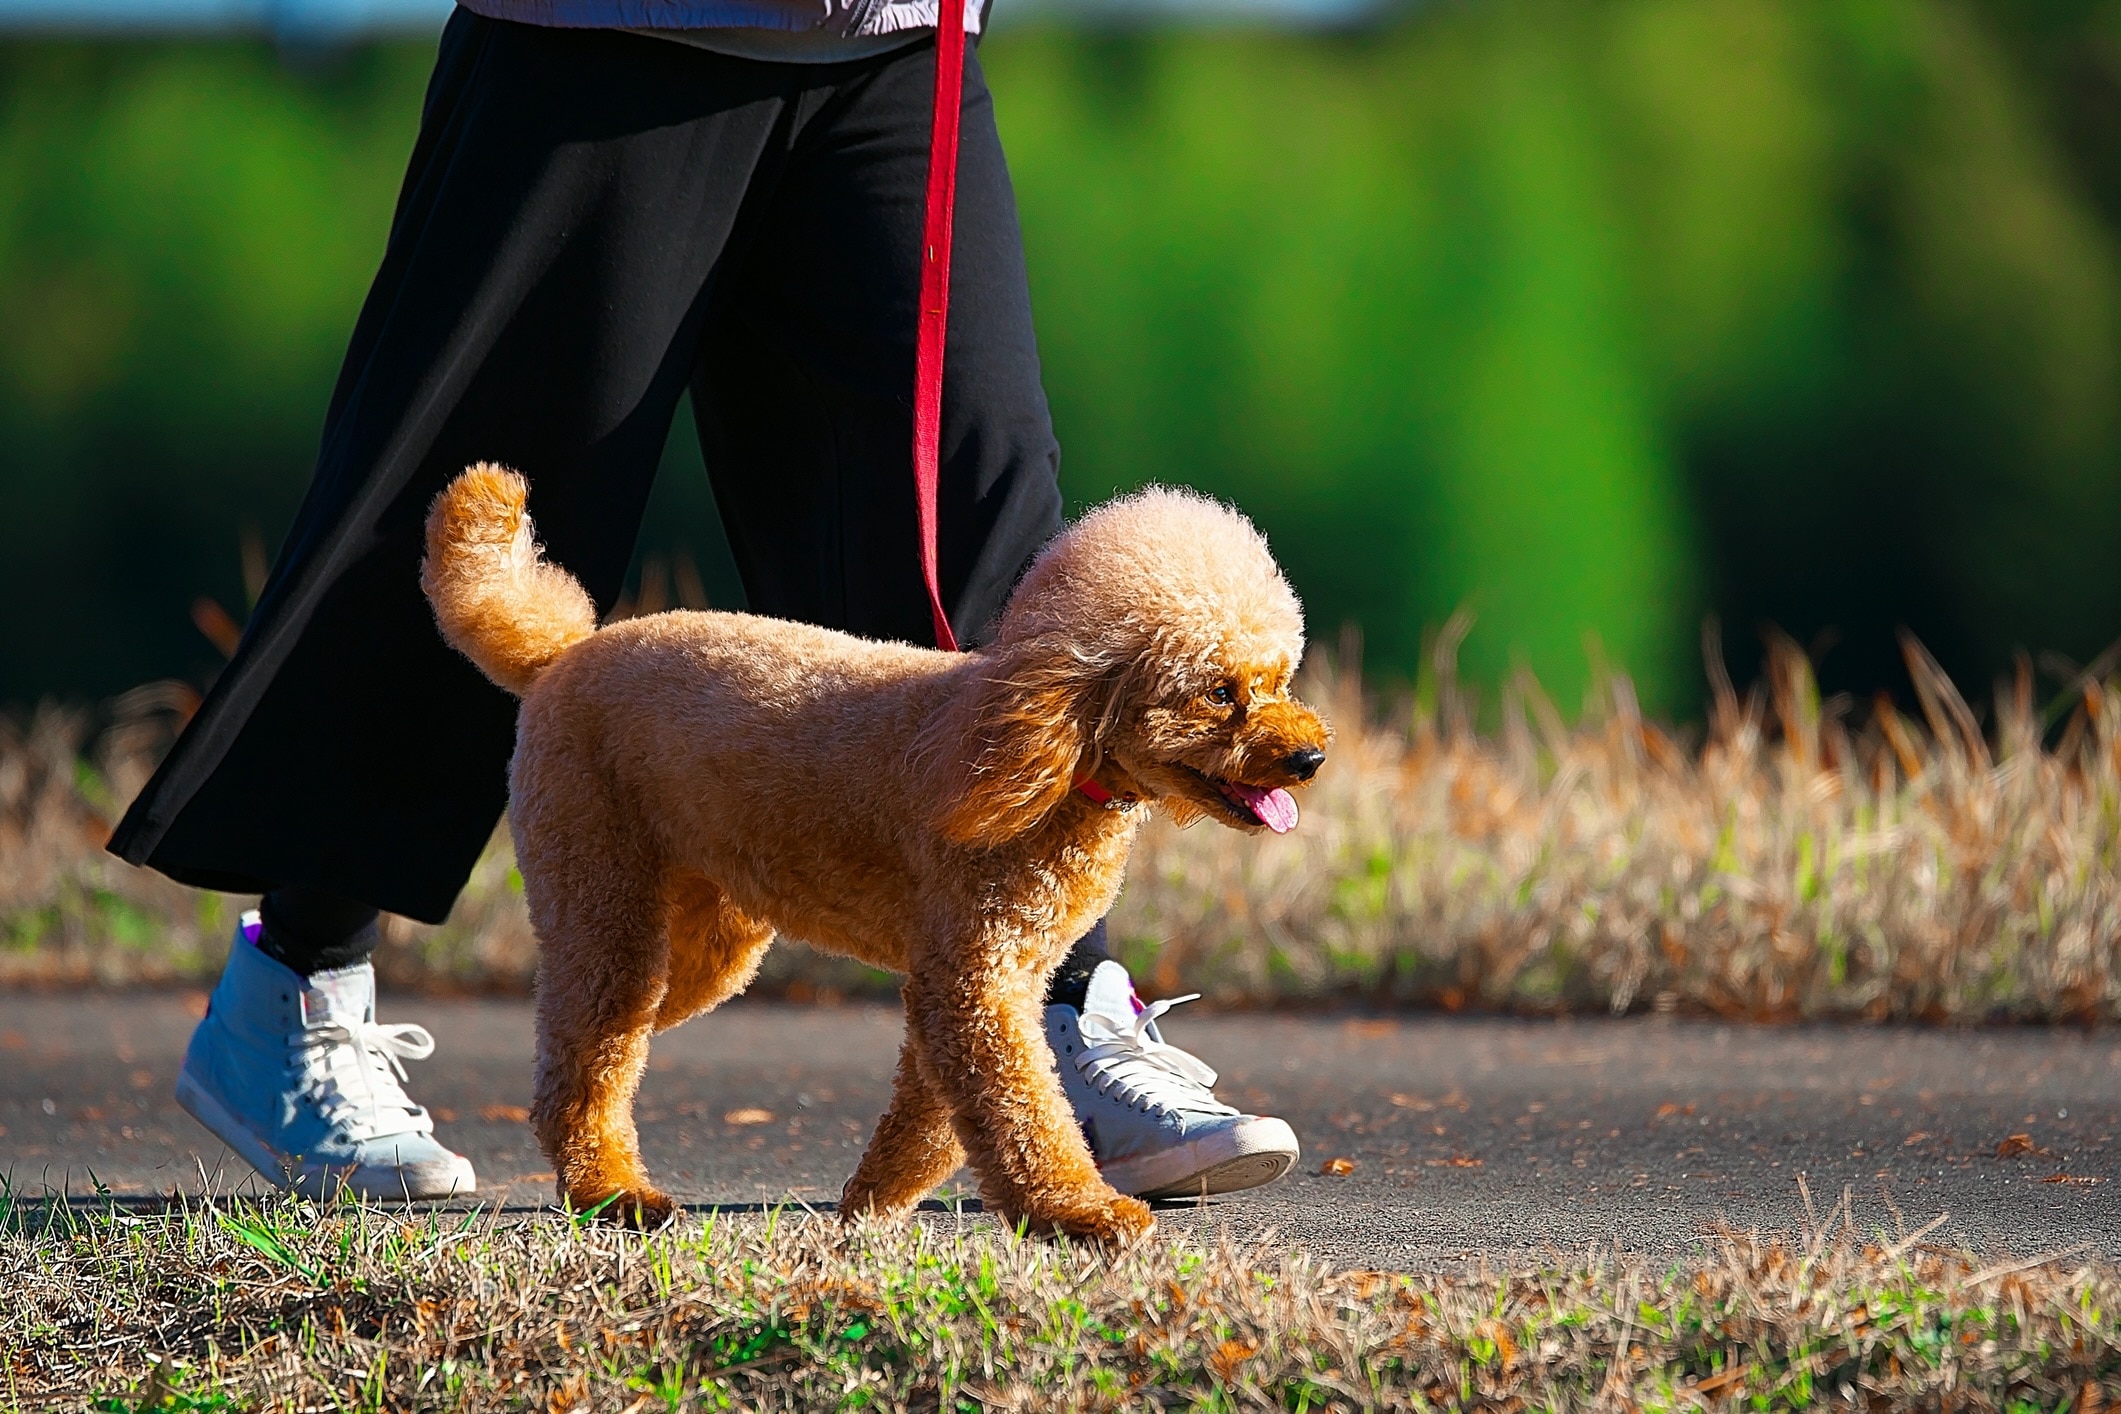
(1104, 797)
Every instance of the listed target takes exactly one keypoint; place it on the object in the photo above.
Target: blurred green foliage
(1593, 317)
(186, 232)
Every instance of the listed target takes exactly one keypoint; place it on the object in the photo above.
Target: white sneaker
(1147, 1108)
(295, 1075)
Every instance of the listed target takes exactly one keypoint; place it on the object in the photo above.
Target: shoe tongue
(1110, 996)
(347, 995)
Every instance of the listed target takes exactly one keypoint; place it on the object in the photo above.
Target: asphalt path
(1458, 1136)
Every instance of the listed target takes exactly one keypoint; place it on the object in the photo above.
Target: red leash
(935, 297)
(935, 321)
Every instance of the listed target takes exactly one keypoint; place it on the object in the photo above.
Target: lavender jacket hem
(827, 17)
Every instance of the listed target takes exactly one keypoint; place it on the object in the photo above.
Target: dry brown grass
(1786, 864)
(69, 912)
(228, 1303)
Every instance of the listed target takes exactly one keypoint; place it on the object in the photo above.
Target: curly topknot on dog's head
(1164, 566)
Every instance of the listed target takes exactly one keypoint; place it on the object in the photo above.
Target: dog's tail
(496, 601)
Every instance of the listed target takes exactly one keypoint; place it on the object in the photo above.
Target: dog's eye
(1222, 695)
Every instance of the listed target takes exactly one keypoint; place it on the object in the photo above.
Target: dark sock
(313, 931)
(1071, 982)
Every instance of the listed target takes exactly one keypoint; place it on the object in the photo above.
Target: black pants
(591, 223)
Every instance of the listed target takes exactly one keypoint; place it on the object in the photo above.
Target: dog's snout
(1304, 763)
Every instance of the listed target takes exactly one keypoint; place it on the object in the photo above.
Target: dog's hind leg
(714, 949)
(978, 1019)
(599, 910)
(914, 1147)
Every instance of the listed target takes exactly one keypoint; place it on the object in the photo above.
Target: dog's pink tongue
(1276, 808)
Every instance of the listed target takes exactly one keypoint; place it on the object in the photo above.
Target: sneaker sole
(1250, 1156)
(1232, 1176)
(319, 1183)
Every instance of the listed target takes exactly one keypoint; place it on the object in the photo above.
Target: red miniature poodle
(687, 784)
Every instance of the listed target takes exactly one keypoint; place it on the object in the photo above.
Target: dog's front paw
(643, 1209)
(1099, 1214)
(1122, 1221)
(861, 1201)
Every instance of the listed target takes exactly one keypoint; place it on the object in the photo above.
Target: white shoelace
(351, 1072)
(1140, 1071)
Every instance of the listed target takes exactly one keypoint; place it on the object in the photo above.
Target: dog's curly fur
(685, 784)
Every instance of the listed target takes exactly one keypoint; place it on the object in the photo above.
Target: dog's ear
(1011, 748)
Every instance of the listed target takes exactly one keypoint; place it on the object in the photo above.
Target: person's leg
(567, 198)
(803, 398)
(314, 930)
(803, 391)
(803, 382)
(538, 303)
(1071, 980)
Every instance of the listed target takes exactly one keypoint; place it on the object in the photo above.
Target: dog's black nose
(1305, 763)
